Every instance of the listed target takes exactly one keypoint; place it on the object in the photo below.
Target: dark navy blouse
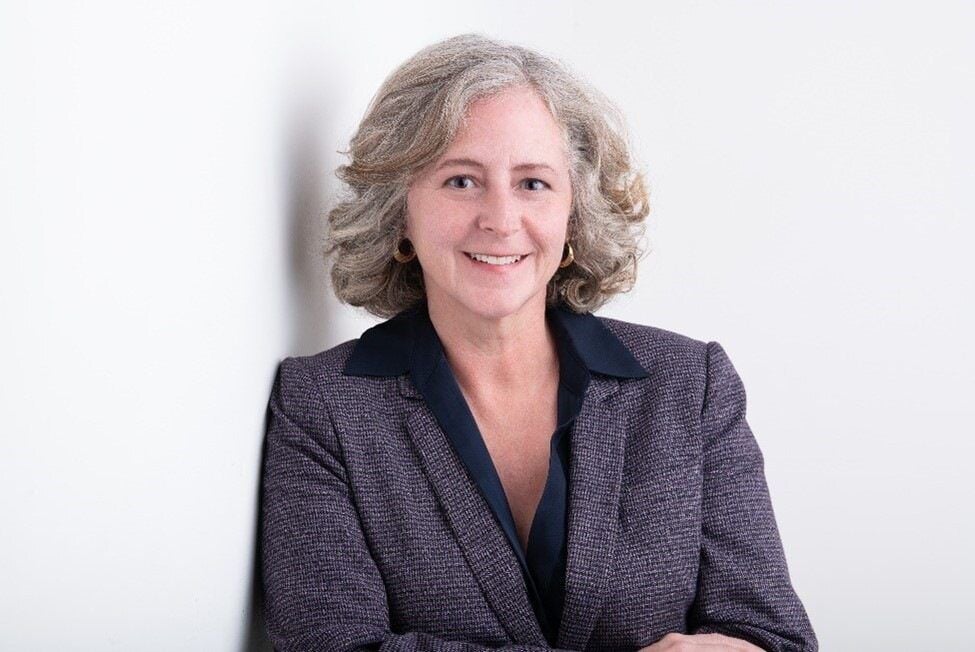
(408, 343)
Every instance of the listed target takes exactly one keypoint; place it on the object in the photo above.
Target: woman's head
(423, 110)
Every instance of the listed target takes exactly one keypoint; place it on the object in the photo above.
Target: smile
(495, 260)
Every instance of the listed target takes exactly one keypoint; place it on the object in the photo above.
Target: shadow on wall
(310, 181)
(255, 638)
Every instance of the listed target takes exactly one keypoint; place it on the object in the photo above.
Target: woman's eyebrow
(477, 164)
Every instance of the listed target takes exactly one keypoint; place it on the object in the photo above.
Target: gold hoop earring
(400, 256)
(567, 258)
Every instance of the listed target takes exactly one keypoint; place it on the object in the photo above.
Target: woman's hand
(675, 642)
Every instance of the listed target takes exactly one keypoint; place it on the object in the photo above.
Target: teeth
(495, 260)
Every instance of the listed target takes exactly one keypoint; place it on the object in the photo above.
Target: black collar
(388, 349)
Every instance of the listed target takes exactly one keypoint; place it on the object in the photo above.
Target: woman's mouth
(498, 261)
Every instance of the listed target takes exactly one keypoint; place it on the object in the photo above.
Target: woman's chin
(491, 306)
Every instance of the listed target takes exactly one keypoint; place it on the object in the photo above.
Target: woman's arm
(744, 590)
(322, 589)
(675, 642)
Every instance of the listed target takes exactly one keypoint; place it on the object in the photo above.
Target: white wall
(163, 170)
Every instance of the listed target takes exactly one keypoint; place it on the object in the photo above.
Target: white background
(164, 169)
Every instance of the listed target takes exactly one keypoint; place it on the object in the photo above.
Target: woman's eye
(460, 181)
(535, 184)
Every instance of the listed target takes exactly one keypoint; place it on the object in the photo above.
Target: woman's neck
(515, 352)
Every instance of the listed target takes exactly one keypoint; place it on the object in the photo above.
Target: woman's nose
(500, 213)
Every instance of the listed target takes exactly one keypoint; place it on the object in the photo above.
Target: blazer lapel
(481, 539)
(596, 471)
(597, 447)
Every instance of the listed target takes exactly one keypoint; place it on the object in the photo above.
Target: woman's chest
(519, 445)
(423, 515)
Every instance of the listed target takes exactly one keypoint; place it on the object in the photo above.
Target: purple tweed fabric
(375, 538)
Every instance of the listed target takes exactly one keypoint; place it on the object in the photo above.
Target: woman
(494, 467)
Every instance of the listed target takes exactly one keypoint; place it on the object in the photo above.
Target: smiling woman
(495, 467)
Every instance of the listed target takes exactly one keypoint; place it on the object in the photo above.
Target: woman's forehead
(514, 127)
(511, 102)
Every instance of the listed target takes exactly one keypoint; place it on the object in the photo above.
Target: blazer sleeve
(744, 589)
(322, 589)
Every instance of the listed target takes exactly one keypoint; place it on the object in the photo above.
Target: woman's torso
(439, 547)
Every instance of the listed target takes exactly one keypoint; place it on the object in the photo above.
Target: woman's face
(488, 219)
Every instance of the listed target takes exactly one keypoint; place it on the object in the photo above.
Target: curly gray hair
(410, 123)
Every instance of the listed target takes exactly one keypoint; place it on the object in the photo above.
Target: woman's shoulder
(323, 369)
(658, 348)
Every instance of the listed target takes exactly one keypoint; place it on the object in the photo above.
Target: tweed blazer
(374, 536)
